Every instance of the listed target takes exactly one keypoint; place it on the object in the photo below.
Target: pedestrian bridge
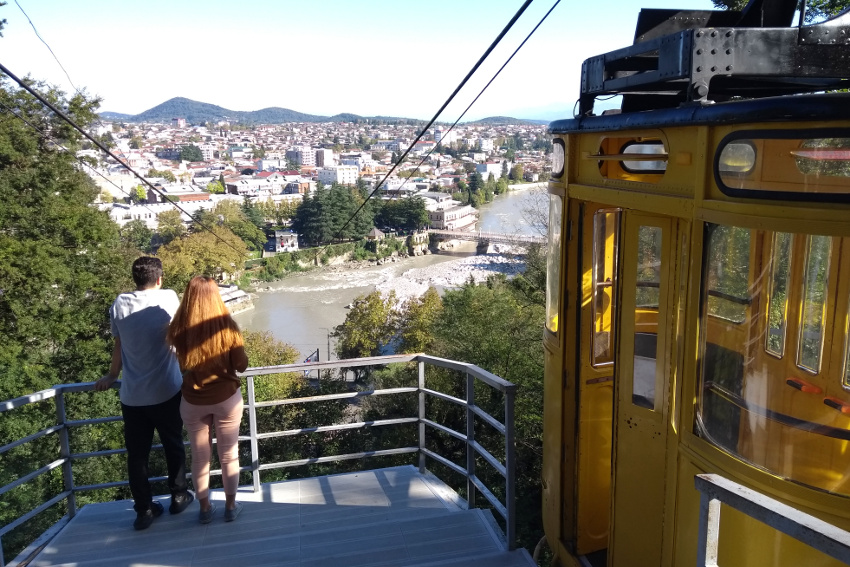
(489, 237)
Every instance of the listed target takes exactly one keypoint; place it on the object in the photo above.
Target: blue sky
(368, 57)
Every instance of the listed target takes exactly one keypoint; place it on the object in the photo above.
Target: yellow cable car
(698, 299)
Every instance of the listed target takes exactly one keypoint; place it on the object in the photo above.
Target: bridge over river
(488, 237)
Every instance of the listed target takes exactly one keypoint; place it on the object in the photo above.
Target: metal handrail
(714, 490)
(474, 415)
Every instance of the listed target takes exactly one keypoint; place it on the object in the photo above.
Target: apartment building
(341, 174)
(304, 155)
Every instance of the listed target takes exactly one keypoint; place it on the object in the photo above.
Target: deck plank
(383, 517)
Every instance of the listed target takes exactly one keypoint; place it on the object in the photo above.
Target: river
(302, 310)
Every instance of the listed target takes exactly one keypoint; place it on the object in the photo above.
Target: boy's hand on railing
(105, 383)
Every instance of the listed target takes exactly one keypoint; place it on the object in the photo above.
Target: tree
(170, 225)
(504, 169)
(138, 194)
(135, 143)
(191, 153)
(215, 187)
(136, 234)
(62, 263)
(216, 252)
(516, 172)
(368, 328)
(253, 214)
(418, 317)
(61, 259)
(816, 10)
(165, 174)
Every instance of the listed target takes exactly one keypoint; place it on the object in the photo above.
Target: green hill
(198, 112)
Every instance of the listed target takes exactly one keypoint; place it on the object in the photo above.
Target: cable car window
(737, 158)
(777, 310)
(752, 405)
(728, 265)
(818, 250)
(784, 164)
(606, 240)
(553, 262)
(653, 157)
(647, 293)
(558, 157)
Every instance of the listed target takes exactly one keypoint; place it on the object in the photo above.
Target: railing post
(510, 467)
(470, 439)
(65, 453)
(709, 530)
(421, 366)
(252, 428)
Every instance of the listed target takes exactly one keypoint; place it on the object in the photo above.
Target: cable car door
(641, 411)
(600, 230)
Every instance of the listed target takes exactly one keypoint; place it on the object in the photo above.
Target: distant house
(375, 234)
(285, 241)
(459, 217)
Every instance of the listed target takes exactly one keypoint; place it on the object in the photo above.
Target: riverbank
(413, 282)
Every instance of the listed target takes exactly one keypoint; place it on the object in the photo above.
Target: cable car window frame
(845, 381)
(783, 325)
(805, 302)
(639, 171)
(772, 194)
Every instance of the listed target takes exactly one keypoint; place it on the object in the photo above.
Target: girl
(210, 351)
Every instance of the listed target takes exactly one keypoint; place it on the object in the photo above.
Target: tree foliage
(230, 214)
(403, 214)
(165, 174)
(62, 263)
(136, 234)
(191, 153)
(215, 187)
(321, 216)
(170, 225)
(215, 252)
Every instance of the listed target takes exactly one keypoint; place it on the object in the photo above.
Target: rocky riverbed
(453, 274)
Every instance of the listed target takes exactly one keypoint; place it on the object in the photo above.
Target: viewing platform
(401, 515)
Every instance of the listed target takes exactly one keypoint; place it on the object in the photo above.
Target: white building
(443, 136)
(341, 174)
(453, 217)
(324, 157)
(208, 151)
(285, 241)
(485, 144)
(494, 167)
(304, 155)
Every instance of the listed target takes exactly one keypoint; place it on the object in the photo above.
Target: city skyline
(381, 58)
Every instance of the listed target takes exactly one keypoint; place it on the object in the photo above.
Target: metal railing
(715, 490)
(473, 414)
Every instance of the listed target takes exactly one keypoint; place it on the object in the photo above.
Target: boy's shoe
(230, 515)
(180, 502)
(145, 519)
(206, 517)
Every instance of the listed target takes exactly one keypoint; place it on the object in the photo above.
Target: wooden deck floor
(384, 517)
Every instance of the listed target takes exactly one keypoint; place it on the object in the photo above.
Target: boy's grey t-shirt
(150, 371)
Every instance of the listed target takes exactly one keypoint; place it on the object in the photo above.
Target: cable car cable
(474, 68)
(482, 90)
(106, 150)
(82, 161)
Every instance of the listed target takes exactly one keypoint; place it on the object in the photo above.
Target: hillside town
(197, 166)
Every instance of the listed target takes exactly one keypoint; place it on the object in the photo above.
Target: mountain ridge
(196, 112)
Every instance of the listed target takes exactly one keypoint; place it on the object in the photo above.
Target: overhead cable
(106, 150)
(462, 114)
(475, 67)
